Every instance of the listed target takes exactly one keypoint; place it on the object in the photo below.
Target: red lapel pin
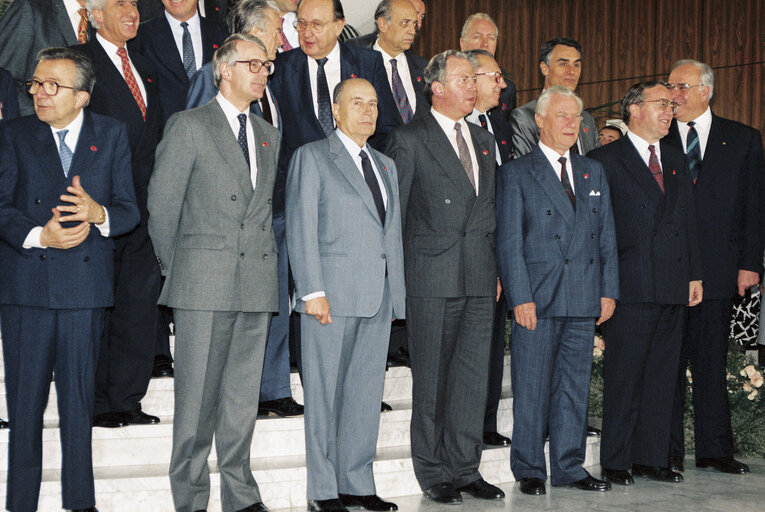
(353, 75)
(485, 152)
(215, 46)
(265, 144)
(93, 148)
(586, 175)
(148, 79)
(674, 171)
(504, 142)
(586, 129)
(419, 79)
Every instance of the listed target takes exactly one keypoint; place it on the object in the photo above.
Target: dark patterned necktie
(464, 154)
(482, 120)
(693, 151)
(566, 182)
(322, 97)
(653, 165)
(373, 184)
(189, 61)
(242, 138)
(399, 93)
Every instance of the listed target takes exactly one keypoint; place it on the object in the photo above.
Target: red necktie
(286, 46)
(131, 82)
(82, 29)
(653, 165)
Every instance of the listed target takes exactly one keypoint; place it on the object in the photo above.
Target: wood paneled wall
(623, 42)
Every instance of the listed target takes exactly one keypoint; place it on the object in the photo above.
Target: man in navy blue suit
(556, 248)
(58, 269)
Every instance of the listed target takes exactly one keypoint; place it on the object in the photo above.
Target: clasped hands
(83, 209)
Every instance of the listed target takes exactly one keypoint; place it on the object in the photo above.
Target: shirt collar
(72, 6)
(386, 56)
(473, 116)
(74, 127)
(446, 123)
(553, 156)
(350, 144)
(642, 145)
(193, 22)
(229, 110)
(110, 47)
(703, 122)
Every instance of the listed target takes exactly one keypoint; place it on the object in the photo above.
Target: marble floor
(702, 491)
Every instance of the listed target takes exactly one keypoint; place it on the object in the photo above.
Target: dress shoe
(370, 502)
(676, 463)
(108, 420)
(532, 486)
(483, 490)
(333, 505)
(444, 493)
(138, 417)
(725, 464)
(163, 367)
(401, 358)
(656, 473)
(593, 431)
(3, 424)
(283, 407)
(495, 439)
(385, 407)
(590, 483)
(255, 507)
(618, 476)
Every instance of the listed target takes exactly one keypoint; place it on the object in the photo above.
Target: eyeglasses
(256, 65)
(495, 75)
(49, 86)
(664, 104)
(683, 87)
(562, 116)
(315, 26)
(465, 80)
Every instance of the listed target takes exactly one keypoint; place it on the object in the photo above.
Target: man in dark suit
(214, 10)
(446, 175)
(560, 62)
(659, 275)
(57, 270)
(479, 32)
(9, 107)
(125, 90)
(726, 162)
(31, 25)
(556, 292)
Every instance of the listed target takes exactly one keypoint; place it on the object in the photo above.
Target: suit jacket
(448, 230)
(155, 42)
(503, 134)
(9, 106)
(562, 258)
(211, 231)
(728, 195)
(526, 133)
(336, 241)
(31, 183)
(655, 232)
(112, 97)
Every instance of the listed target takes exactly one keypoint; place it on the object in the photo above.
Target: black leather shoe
(385, 407)
(108, 420)
(138, 417)
(656, 473)
(590, 483)
(3, 424)
(444, 493)
(163, 367)
(618, 476)
(725, 464)
(676, 463)
(370, 502)
(483, 490)
(255, 507)
(333, 505)
(495, 439)
(283, 407)
(91, 509)
(593, 431)
(532, 486)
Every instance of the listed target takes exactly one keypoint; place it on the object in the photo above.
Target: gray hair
(635, 95)
(85, 73)
(544, 98)
(227, 53)
(435, 71)
(94, 4)
(706, 75)
(249, 14)
(477, 16)
(384, 10)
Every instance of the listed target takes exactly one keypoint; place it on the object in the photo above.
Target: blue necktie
(242, 138)
(64, 153)
(399, 93)
(189, 61)
(322, 97)
(693, 151)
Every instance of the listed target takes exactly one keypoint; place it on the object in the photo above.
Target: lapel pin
(504, 142)
(385, 168)
(586, 175)
(485, 152)
(93, 148)
(215, 46)
(674, 172)
(217, 9)
(353, 75)
(265, 144)
(419, 79)
(586, 129)
(148, 79)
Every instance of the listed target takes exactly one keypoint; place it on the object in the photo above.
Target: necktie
(372, 183)
(653, 165)
(242, 138)
(82, 28)
(399, 93)
(266, 108)
(482, 120)
(286, 46)
(566, 182)
(464, 154)
(322, 96)
(131, 82)
(189, 61)
(64, 153)
(693, 151)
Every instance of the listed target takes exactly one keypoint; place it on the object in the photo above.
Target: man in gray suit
(446, 173)
(210, 206)
(560, 62)
(344, 240)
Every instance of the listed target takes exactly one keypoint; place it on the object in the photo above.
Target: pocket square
(593, 193)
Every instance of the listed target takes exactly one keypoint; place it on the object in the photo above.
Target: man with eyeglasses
(726, 164)
(446, 175)
(660, 273)
(210, 204)
(57, 276)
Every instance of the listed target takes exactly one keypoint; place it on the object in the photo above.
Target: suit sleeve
(18, 33)
(524, 132)
(202, 88)
(122, 207)
(751, 255)
(609, 254)
(14, 224)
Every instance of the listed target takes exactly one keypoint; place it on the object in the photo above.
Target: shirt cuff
(32, 241)
(104, 226)
(314, 295)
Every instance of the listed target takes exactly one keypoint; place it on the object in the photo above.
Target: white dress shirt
(703, 125)
(231, 113)
(289, 30)
(553, 157)
(402, 65)
(331, 70)
(642, 148)
(111, 51)
(447, 125)
(473, 118)
(195, 29)
(72, 7)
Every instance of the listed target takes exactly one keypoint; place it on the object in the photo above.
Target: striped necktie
(693, 151)
(399, 93)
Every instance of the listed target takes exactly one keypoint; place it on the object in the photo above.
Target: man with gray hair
(446, 174)
(210, 204)
(558, 292)
(726, 163)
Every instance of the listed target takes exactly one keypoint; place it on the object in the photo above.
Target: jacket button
(42, 257)
(592, 261)
(565, 261)
(263, 227)
(592, 235)
(86, 259)
(265, 256)
(241, 255)
(594, 210)
(642, 206)
(557, 237)
(448, 201)
(382, 256)
(549, 212)
(269, 200)
(37, 200)
(241, 226)
(233, 198)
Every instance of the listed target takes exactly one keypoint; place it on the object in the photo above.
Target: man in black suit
(446, 174)
(126, 90)
(726, 162)
(659, 274)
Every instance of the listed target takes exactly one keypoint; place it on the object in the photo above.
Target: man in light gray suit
(210, 221)
(344, 240)
(560, 62)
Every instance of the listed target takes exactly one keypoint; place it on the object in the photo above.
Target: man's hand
(83, 208)
(53, 235)
(526, 315)
(747, 279)
(499, 290)
(319, 308)
(607, 307)
(696, 291)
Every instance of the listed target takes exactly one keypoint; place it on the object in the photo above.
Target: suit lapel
(416, 75)
(46, 153)
(486, 165)
(220, 133)
(347, 167)
(114, 81)
(582, 190)
(348, 65)
(64, 25)
(84, 151)
(208, 45)
(713, 151)
(262, 157)
(443, 153)
(386, 179)
(167, 51)
(302, 81)
(636, 167)
(672, 170)
(547, 177)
